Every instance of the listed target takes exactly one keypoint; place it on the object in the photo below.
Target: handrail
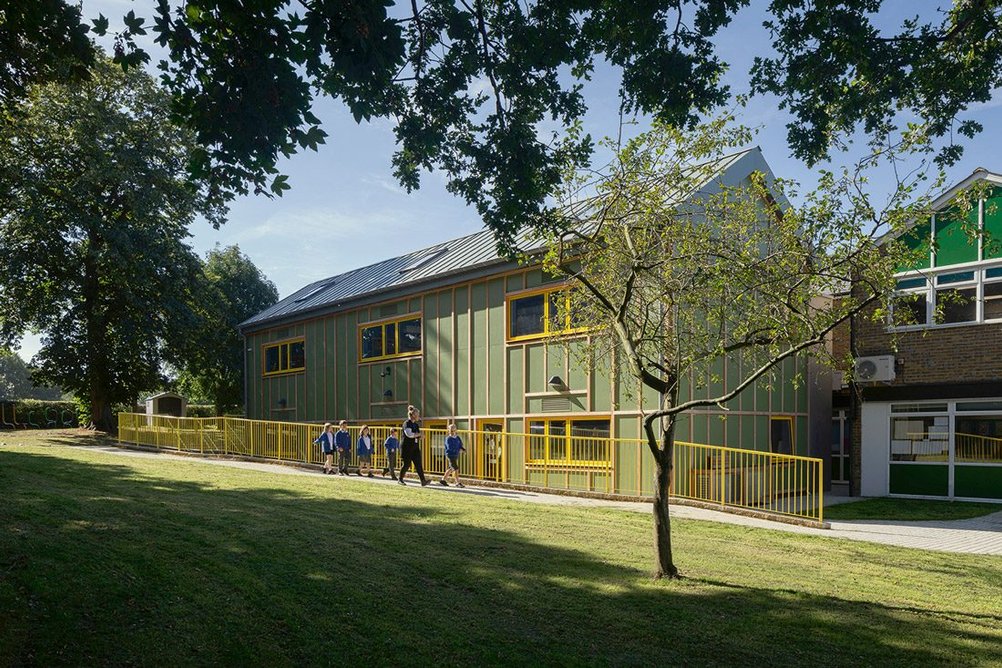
(775, 483)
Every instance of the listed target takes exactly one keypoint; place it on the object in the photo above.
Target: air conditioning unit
(873, 369)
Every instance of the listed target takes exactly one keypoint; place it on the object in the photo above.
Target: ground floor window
(951, 449)
(569, 441)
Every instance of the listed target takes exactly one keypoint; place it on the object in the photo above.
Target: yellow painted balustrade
(783, 484)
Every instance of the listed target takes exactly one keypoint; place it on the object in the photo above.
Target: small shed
(167, 403)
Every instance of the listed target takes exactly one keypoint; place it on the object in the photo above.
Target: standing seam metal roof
(452, 257)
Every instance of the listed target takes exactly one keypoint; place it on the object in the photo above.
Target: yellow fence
(971, 448)
(782, 484)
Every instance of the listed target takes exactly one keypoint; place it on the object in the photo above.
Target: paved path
(980, 535)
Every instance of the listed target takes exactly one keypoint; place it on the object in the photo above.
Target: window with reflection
(390, 339)
(284, 357)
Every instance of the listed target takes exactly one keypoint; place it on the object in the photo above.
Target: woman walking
(364, 450)
(411, 447)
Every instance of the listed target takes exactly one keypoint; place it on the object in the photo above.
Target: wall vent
(556, 404)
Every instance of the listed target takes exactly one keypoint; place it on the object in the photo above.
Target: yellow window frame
(566, 438)
(284, 356)
(793, 431)
(547, 318)
(396, 338)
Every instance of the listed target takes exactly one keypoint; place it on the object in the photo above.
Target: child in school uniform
(364, 449)
(453, 446)
(326, 442)
(391, 444)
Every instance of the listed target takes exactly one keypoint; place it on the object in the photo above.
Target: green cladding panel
(919, 479)
(430, 343)
(496, 345)
(956, 240)
(516, 379)
(982, 482)
(917, 241)
(993, 225)
(478, 353)
(446, 352)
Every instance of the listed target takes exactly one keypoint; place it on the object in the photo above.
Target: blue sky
(345, 210)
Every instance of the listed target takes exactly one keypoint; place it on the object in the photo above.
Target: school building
(927, 417)
(466, 335)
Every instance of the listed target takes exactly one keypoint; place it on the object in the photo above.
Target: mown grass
(106, 559)
(909, 510)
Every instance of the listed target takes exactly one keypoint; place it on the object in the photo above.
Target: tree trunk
(662, 519)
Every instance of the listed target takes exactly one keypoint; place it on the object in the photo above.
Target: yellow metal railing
(971, 448)
(782, 484)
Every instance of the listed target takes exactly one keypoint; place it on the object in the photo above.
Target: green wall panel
(802, 438)
(535, 368)
(415, 372)
(463, 360)
(715, 430)
(917, 240)
(920, 479)
(983, 482)
(331, 365)
(761, 441)
(516, 381)
(496, 352)
(699, 428)
(993, 226)
(430, 343)
(446, 363)
(732, 430)
(954, 244)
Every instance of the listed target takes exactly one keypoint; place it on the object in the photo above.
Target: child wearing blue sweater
(364, 449)
(391, 444)
(453, 446)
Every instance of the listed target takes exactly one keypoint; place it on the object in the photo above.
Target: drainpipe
(246, 376)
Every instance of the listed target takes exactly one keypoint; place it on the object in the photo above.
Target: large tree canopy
(488, 91)
(232, 290)
(95, 204)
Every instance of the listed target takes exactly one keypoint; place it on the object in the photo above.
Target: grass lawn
(106, 559)
(909, 509)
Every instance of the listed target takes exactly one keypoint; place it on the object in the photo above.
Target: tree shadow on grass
(120, 564)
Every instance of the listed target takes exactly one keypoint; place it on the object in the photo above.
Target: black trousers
(411, 454)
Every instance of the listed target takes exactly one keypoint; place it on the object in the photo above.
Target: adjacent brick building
(926, 405)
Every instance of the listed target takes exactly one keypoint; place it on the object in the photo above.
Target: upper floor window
(284, 357)
(948, 298)
(540, 313)
(393, 338)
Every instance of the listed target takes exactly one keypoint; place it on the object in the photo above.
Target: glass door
(490, 441)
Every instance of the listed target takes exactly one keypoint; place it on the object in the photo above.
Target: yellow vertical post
(281, 435)
(720, 461)
(821, 494)
(178, 434)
